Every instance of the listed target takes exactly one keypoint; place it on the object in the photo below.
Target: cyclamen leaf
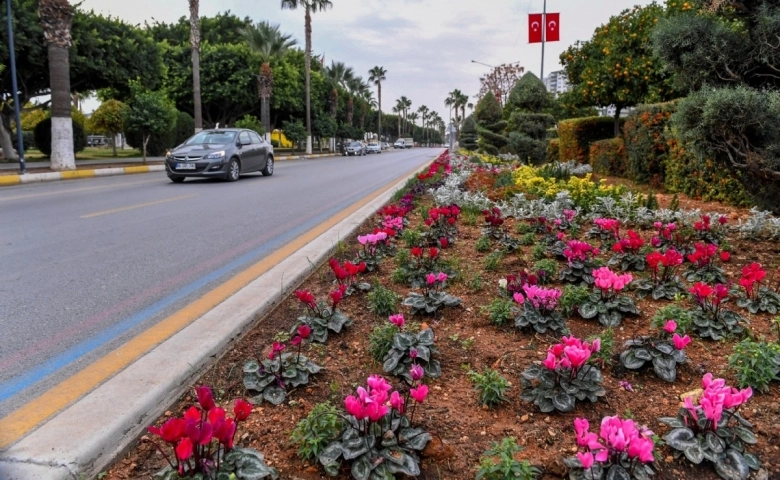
(617, 472)
(630, 361)
(361, 468)
(563, 402)
(401, 462)
(731, 465)
(274, 395)
(694, 454)
(681, 438)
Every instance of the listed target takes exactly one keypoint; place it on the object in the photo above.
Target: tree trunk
(113, 143)
(5, 139)
(379, 114)
(399, 125)
(62, 157)
(146, 140)
(308, 79)
(617, 121)
(265, 115)
(195, 45)
(350, 110)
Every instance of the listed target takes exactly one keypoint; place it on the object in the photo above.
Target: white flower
(502, 283)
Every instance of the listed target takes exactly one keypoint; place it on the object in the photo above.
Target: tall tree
(354, 87)
(56, 19)
(399, 110)
(376, 76)
(310, 6)
(269, 43)
(337, 76)
(110, 118)
(617, 67)
(423, 111)
(195, 53)
(500, 81)
(407, 105)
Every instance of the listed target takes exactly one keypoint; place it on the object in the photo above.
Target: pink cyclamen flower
(627, 386)
(416, 372)
(419, 393)
(586, 459)
(413, 353)
(397, 402)
(378, 383)
(430, 278)
(670, 326)
(518, 297)
(363, 239)
(355, 407)
(680, 342)
(550, 362)
(441, 277)
(397, 320)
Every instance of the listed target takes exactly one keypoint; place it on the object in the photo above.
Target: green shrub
(483, 244)
(313, 433)
(608, 157)
(382, 301)
(490, 385)
(498, 463)
(42, 136)
(412, 237)
(552, 133)
(28, 140)
(500, 311)
(646, 149)
(755, 364)
(493, 261)
(528, 238)
(250, 122)
(547, 265)
(576, 135)
(572, 297)
(184, 129)
(530, 151)
(539, 251)
(475, 283)
(380, 341)
(468, 134)
(553, 154)
(686, 172)
(675, 312)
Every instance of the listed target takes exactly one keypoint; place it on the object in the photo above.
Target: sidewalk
(9, 172)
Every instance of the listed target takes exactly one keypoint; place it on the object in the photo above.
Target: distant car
(373, 148)
(399, 144)
(355, 148)
(220, 153)
(385, 145)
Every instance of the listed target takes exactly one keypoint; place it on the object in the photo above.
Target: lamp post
(14, 86)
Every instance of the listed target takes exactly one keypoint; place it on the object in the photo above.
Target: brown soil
(451, 411)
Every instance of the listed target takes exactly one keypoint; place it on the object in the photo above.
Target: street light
(12, 55)
(485, 64)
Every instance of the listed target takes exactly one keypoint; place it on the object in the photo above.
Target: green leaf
(433, 369)
(167, 473)
(274, 394)
(563, 402)
(425, 337)
(731, 465)
(714, 442)
(391, 360)
(751, 461)
(414, 438)
(401, 462)
(403, 341)
(694, 453)
(666, 368)
(630, 361)
(249, 464)
(251, 366)
(588, 310)
(361, 468)
(617, 472)
(673, 422)
(745, 435)
(681, 438)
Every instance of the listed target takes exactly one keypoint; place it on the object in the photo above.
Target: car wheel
(177, 179)
(234, 170)
(269, 167)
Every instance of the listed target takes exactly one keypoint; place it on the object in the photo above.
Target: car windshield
(212, 138)
(355, 144)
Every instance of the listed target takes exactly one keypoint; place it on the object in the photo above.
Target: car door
(261, 148)
(247, 152)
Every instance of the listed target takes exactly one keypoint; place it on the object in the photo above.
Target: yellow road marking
(10, 180)
(75, 190)
(20, 422)
(140, 205)
(70, 175)
(138, 169)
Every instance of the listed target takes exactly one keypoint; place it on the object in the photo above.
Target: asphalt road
(87, 264)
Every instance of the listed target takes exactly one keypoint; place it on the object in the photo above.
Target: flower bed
(450, 384)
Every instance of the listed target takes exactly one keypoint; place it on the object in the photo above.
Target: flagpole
(544, 34)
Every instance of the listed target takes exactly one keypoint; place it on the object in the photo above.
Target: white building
(557, 82)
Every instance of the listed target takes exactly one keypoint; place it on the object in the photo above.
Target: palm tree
(413, 116)
(354, 86)
(56, 18)
(367, 102)
(407, 105)
(451, 102)
(463, 101)
(310, 6)
(270, 43)
(195, 46)
(376, 76)
(399, 110)
(423, 111)
(337, 76)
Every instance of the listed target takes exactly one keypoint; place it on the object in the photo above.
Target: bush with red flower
(711, 228)
(704, 264)
(605, 229)
(540, 309)
(347, 275)
(322, 316)
(494, 228)
(621, 450)
(415, 267)
(433, 297)
(379, 439)
(283, 367)
(411, 352)
(756, 297)
(663, 281)
(711, 319)
(711, 428)
(373, 247)
(664, 351)
(201, 443)
(442, 226)
(580, 257)
(627, 253)
(565, 376)
(607, 303)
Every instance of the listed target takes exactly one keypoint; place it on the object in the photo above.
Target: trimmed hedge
(576, 135)
(645, 142)
(42, 136)
(552, 151)
(687, 173)
(608, 157)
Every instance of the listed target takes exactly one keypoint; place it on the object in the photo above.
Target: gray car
(220, 153)
(355, 148)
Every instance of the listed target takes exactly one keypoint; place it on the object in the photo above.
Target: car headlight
(214, 155)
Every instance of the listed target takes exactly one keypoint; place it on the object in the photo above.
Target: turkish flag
(552, 30)
(535, 25)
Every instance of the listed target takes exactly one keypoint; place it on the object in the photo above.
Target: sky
(426, 46)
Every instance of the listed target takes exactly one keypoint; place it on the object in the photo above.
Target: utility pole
(544, 34)
(15, 87)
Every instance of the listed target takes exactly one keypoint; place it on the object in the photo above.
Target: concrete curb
(89, 435)
(10, 180)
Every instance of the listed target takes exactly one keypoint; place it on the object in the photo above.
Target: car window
(211, 138)
(244, 137)
(255, 137)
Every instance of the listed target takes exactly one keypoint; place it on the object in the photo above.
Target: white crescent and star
(552, 24)
(535, 25)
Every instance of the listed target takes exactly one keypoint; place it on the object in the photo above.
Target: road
(86, 265)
